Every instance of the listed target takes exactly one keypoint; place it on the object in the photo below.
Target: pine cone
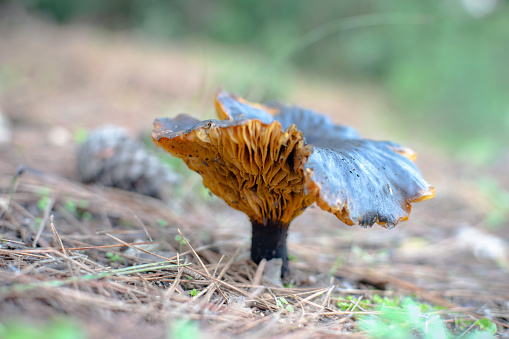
(113, 158)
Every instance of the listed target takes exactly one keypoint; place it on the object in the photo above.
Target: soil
(55, 81)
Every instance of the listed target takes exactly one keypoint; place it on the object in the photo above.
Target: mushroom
(273, 161)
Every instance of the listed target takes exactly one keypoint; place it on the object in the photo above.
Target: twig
(257, 289)
(13, 241)
(47, 210)
(223, 271)
(326, 300)
(175, 283)
(137, 248)
(12, 189)
(121, 271)
(64, 252)
(201, 263)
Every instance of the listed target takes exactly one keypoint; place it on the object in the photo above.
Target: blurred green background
(443, 65)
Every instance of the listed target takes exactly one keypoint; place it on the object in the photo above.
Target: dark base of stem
(269, 242)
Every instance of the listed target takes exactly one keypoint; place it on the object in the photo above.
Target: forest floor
(97, 258)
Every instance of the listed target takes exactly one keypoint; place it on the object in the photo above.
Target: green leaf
(162, 222)
(403, 322)
(179, 238)
(87, 216)
(80, 135)
(184, 329)
(59, 328)
(343, 306)
(114, 257)
(43, 203)
(70, 206)
(486, 325)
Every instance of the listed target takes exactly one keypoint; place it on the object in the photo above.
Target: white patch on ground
(484, 245)
(272, 272)
(5, 129)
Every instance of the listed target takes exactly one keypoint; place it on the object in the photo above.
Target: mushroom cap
(365, 182)
(272, 161)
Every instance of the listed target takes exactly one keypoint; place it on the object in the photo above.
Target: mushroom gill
(254, 167)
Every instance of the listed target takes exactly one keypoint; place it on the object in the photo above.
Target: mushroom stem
(269, 242)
